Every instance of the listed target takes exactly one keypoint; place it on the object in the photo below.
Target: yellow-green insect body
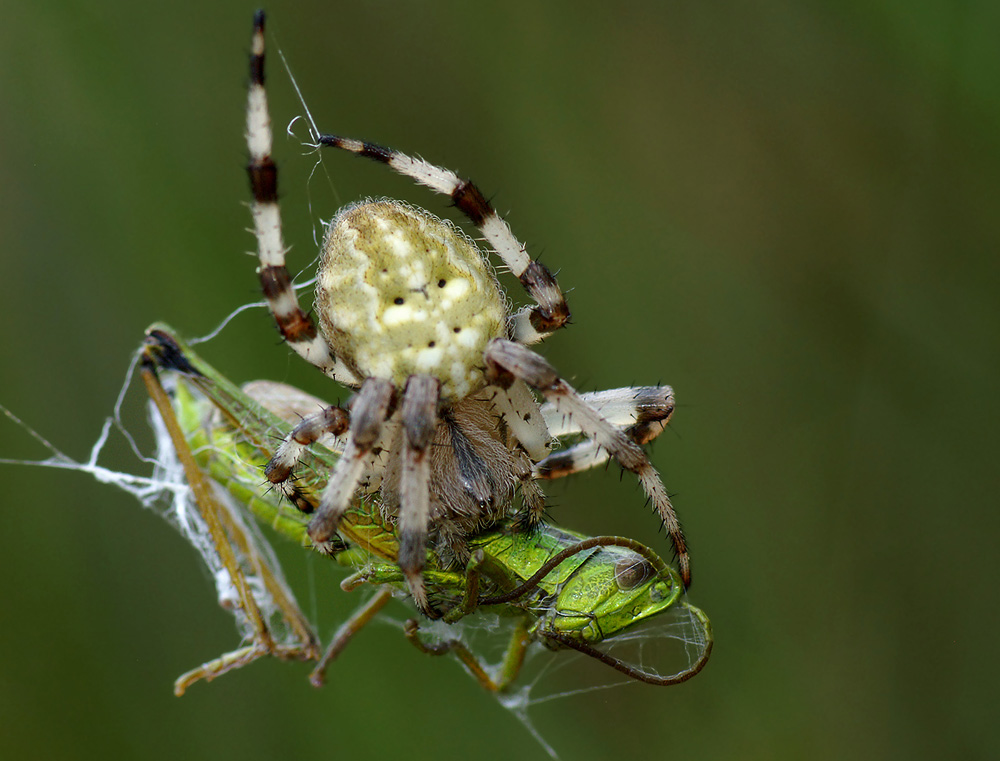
(592, 595)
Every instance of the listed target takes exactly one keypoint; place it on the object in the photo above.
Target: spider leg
(332, 420)
(419, 419)
(642, 412)
(289, 403)
(521, 414)
(507, 361)
(297, 327)
(534, 502)
(370, 408)
(529, 325)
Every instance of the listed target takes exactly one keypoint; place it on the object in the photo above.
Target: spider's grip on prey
(444, 430)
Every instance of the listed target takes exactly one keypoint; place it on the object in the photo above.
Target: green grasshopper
(562, 589)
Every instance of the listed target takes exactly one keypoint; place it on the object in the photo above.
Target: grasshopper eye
(631, 571)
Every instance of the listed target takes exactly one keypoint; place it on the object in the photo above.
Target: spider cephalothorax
(443, 427)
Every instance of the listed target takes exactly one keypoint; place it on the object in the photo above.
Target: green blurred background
(788, 211)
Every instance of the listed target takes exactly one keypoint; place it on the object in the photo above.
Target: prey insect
(561, 589)
(444, 426)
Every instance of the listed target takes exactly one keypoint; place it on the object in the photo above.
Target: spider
(443, 425)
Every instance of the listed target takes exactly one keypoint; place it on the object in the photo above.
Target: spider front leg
(507, 361)
(420, 403)
(370, 408)
(295, 325)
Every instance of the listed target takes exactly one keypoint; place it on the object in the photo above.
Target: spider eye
(631, 571)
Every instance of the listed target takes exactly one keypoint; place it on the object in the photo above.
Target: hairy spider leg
(528, 326)
(508, 361)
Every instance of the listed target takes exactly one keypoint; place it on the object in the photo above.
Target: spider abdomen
(401, 292)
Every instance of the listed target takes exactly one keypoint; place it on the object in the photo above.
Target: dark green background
(787, 210)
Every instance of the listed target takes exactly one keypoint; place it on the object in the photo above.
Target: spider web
(166, 492)
(674, 639)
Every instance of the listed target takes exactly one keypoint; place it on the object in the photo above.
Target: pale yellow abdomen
(401, 292)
